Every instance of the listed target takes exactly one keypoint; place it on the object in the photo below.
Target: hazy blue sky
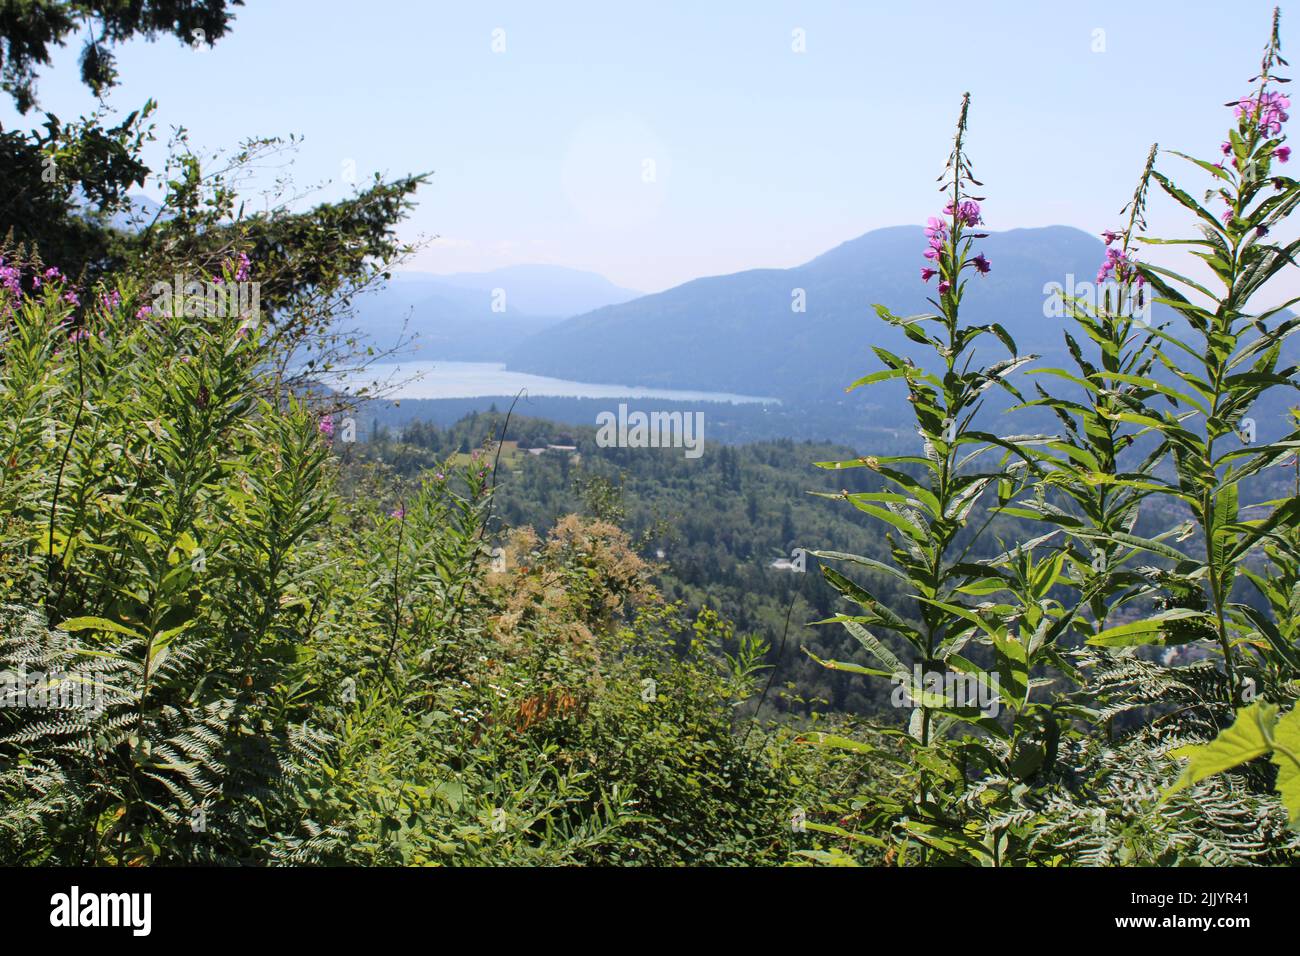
(762, 156)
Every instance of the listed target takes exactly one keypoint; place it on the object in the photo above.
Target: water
(491, 379)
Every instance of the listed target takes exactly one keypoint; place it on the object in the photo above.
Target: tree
(65, 181)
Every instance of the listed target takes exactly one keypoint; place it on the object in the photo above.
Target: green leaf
(1149, 631)
(1286, 756)
(1245, 740)
(98, 624)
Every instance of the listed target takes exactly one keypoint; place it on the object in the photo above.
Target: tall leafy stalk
(1222, 377)
(933, 494)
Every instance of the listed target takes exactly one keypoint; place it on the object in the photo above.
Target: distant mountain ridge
(741, 333)
(542, 290)
(477, 316)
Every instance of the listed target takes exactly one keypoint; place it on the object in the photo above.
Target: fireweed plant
(1233, 361)
(1093, 465)
(1218, 450)
(928, 514)
(1099, 697)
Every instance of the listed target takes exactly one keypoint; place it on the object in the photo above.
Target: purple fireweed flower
(11, 279)
(1110, 236)
(1226, 147)
(981, 264)
(1117, 262)
(110, 300)
(944, 286)
(326, 427)
(399, 513)
(968, 212)
(1282, 153)
(1268, 110)
(927, 274)
(144, 311)
(936, 234)
(241, 274)
(71, 298)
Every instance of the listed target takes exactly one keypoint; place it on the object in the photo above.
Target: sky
(656, 143)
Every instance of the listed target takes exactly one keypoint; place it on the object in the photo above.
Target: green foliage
(1257, 731)
(216, 650)
(1084, 735)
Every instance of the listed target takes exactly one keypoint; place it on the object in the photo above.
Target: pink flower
(1110, 236)
(241, 274)
(927, 274)
(1282, 153)
(981, 264)
(944, 286)
(144, 311)
(326, 427)
(11, 279)
(399, 513)
(1117, 262)
(1269, 110)
(968, 212)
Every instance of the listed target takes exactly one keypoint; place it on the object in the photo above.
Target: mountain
(741, 333)
(544, 290)
(477, 316)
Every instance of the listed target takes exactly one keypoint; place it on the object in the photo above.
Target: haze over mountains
(478, 316)
(742, 333)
